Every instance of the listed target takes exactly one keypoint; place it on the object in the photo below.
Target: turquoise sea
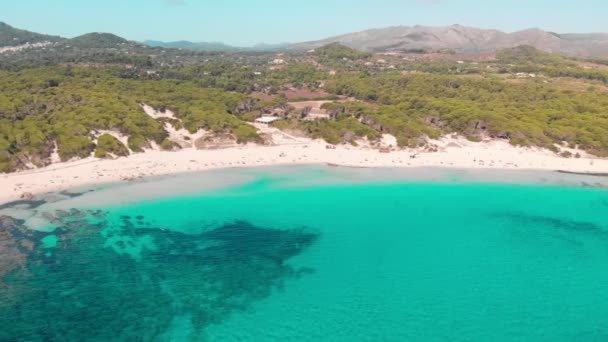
(310, 254)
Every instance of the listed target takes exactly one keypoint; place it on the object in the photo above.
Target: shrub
(137, 143)
(74, 147)
(245, 133)
(108, 145)
(168, 145)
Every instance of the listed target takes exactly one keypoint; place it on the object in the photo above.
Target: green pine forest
(61, 106)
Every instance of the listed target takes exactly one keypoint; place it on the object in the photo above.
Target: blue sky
(246, 22)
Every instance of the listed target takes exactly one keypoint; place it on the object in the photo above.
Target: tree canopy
(410, 106)
(63, 106)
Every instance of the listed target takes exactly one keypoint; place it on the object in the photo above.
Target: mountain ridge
(456, 38)
(465, 39)
(213, 46)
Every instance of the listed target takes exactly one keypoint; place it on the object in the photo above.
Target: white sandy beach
(452, 153)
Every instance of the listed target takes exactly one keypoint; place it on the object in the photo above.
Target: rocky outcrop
(11, 254)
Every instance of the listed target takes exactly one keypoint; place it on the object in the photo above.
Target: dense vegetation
(97, 82)
(98, 41)
(337, 51)
(62, 106)
(108, 146)
(411, 106)
(245, 79)
(531, 60)
(10, 36)
(526, 54)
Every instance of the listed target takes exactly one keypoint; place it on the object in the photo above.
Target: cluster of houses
(25, 46)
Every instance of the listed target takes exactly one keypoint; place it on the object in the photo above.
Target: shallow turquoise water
(274, 261)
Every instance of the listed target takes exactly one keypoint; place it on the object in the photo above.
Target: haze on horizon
(245, 22)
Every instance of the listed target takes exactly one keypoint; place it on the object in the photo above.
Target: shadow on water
(564, 229)
(557, 223)
(124, 281)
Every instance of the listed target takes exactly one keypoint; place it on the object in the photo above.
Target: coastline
(453, 153)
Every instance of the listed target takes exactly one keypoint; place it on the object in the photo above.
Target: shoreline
(455, 154)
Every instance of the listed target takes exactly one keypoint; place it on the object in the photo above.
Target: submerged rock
(61, 214)
(115, 296)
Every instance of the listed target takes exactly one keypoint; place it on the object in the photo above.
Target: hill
(90, 48)
(10, 36)
(100, 41)
(339, 51)
(526, 54)
(465, 39)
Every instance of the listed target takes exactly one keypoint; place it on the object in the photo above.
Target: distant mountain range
(10, 36)
(461, 39)
(213, 46)
(465, 39)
